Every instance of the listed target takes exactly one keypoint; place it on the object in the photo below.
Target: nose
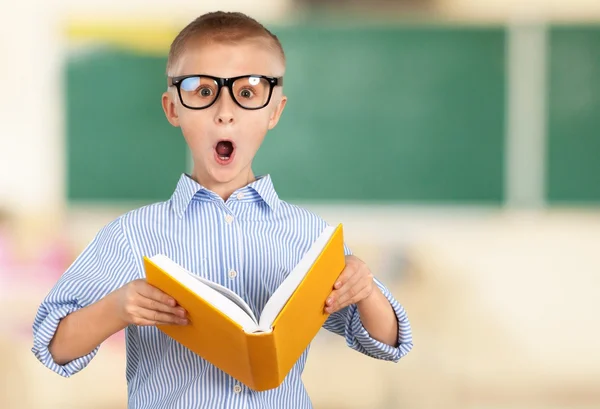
(225, 108)
(225, 119)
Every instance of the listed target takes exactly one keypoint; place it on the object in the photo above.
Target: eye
(205, 92)
(246, 93)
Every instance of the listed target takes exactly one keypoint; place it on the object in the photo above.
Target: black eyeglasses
(199, 91)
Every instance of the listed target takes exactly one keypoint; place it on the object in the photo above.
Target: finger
(149, 291)
(346, 274)
(351, 293)
(154, 305)
(341, 301)
(340, 293)
(145, 322)
(362, 294)
(359, 295)
(347, 286)
(160, 317)
(349, 271)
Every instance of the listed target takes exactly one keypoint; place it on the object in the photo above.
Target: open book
(258, 351)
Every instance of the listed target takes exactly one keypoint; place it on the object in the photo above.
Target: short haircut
(222, 27)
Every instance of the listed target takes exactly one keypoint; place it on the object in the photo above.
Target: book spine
(263, 357)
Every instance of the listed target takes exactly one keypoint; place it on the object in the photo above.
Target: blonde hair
(221, 27)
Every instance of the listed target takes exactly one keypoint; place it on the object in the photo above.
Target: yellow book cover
(257, 351)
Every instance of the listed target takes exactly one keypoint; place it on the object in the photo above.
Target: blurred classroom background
(457, 140)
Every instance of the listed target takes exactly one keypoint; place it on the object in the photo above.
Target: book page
(214, 297)
(292, 281)
(229, 294)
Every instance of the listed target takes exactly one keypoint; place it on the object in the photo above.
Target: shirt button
(240, 196)
(237, 388)
(232, 274)
(229, 218)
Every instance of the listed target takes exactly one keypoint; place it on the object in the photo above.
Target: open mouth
(224, 151)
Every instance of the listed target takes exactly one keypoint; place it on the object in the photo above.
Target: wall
(578, 10)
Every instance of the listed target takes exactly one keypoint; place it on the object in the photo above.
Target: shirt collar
(263, 185)
(187, 189)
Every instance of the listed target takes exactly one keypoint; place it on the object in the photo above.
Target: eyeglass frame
(227, 83)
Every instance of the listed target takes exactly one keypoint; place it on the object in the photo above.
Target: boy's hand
(140, 303)
(354, 285)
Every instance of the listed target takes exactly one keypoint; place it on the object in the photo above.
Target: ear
(276, 114)
(170, 108)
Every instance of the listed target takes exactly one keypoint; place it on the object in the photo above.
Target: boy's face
(224, 137)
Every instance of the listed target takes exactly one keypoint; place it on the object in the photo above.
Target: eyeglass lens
(250, 92)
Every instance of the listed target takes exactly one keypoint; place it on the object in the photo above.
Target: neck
(224, 189)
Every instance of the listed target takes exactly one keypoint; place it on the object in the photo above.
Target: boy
(224, 91)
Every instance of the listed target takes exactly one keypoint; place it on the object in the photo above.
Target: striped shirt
(254, 234)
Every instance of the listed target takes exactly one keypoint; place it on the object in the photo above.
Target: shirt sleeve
(102, 267)
(346, 322)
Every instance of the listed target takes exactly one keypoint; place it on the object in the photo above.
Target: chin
(222, 174)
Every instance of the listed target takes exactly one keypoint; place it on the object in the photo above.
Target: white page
(229, 294)
(292, 281)
(212, 296)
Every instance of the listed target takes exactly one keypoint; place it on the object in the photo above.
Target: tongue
(224, 148)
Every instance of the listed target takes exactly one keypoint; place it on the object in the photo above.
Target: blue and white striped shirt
(253, 233)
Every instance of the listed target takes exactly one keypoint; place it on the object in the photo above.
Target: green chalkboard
(573, 168)
(377, 114)
(120, 146)
(391, 114)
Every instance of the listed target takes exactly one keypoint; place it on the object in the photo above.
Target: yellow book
(257, 351)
